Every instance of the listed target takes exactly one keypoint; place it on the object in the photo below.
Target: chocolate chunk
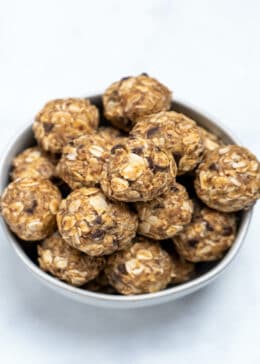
(174, 189)
(159, 205)
(138, 150)
(154, 167)
(125, 78)
(144, 74)
(31, 209)
(193, 242)
(115, 147)
(152, 131)
(209, 227)
(227, 231)
(213, 167)
(157, 168)
(121, 268)
(150, 162)
(97, 220)
(98, 234)
(177, 157)
(48, 127)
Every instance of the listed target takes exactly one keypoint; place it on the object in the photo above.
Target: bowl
(208, 272)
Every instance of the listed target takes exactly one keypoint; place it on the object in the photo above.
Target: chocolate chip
(157, 168)
(174, 189)
(121, 268)
(227, 231)
(193, 242)
(213, 167)
(159, 205)
(150, 162)
(97, 220)
(209, 227)
(150, 132)
(154, 167)
(177, 157)
(144, 74)
(138, 150)
(48, 127)
(31, 209)
(98, 234)
(125, 78)
(115, 147)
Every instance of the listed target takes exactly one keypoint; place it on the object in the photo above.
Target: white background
(208, 53)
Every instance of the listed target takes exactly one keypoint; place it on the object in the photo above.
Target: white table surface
(208, 53)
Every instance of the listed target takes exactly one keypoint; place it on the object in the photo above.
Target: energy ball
(166, 215)
(142, 268)
(131, 97)
(82, 161)
(207, 237)
(183, 271)
(63, 120)
(88, 221)
(66, 263)
(228, 179)
(137, 170)
(175, 132)
(29, 206)
(210, 141)
(32, 162)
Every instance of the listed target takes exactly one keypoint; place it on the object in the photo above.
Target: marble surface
(209, 54)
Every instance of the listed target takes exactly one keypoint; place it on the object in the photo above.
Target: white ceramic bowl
(27, 252)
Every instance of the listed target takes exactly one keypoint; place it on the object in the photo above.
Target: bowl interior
(28, 252)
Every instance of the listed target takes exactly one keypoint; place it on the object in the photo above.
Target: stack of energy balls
(151, 193)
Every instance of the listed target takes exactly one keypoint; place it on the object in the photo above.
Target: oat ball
(142, 268)
(63, 120)
(175, 132)
(29, 207)
(110, 135)
(66, 263)
(88, 221)
(82, 161)
(166, 215)
(228, 179)
(131, 97)
(210, 141)
(32, 162)
(207, 237)
(137, 170)
(183, 271)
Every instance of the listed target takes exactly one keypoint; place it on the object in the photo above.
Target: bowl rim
(178, 290)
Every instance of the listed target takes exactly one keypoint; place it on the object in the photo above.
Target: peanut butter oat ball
(32, 162)
(29, 207)
(137, 170)
(166, 215)
(82, 161)
(182, 271)
(210, 141)
(142, 268)
(131, 97)
(63, 120)
(175, 132)
(66, 263)
(207, 237)
(228, 179)
(88, 221)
